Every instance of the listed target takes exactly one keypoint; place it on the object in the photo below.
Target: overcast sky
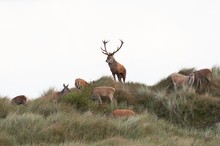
(45, 43)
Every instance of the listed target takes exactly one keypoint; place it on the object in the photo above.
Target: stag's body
(103, 91)
(21, 99)
(203, 74)
(80, 83)
(115, 67)
(122, 113)
(180, 80)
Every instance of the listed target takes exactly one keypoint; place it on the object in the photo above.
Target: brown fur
(180, 80)
(80, 83)
(115, 67)
(103, 91)
(21, 99)
(203, 74)
(122, 113)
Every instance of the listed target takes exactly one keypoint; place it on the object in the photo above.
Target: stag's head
(110, 58)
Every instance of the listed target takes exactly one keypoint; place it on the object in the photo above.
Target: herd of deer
(120, 71)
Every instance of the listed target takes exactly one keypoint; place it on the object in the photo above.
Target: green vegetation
(164, 117)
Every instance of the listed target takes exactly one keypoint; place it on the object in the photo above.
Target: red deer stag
(104, 91)
(21, 99)
(203, 74)
(115, 67)
(80, 83)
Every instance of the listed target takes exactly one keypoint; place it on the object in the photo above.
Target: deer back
(21, 99)
(122, 113)
(203, 73)
(103, 91)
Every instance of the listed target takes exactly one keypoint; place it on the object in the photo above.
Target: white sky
(45, 43)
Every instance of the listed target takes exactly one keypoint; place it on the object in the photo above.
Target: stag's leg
(119, 77)
(113, 76)
(122, 76)
(124, 79)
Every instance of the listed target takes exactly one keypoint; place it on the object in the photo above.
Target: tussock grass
(164, 117)
(4, 107)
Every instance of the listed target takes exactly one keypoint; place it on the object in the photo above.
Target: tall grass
(164, 117)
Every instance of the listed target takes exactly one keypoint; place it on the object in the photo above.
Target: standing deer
(115, 67)
(104, 91)
(21, 99)
(80, 83)
(203, 74)
(181, 80)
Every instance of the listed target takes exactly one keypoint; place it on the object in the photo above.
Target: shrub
(81, 100)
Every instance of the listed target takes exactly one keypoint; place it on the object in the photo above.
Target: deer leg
(197, 83)
(175, 86)
(100, 100)
(113, 76)
(124, 79)
(209, 83)
(119, 77)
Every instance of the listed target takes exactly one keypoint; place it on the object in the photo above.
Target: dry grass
(164, 117)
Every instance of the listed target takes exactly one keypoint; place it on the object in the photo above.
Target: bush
(80, 100)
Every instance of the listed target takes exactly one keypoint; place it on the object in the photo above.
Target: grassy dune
(186, 117)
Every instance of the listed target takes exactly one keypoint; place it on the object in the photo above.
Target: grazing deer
(80, 83)
(104, 91)
(56, 95)
(115, 67)
(180, 80)
(21, 99)
(203, 74)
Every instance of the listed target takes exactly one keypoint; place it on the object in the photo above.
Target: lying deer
(115, 67)
(21, 99)
(104, 91)
(122, 113)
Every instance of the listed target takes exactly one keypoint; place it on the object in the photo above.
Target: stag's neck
(113, 66)
(113, 63)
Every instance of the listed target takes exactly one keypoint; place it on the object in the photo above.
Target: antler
(118, 48)
(104, 51)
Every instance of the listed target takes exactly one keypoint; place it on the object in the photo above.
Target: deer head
(110, 57)
(65, 89)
